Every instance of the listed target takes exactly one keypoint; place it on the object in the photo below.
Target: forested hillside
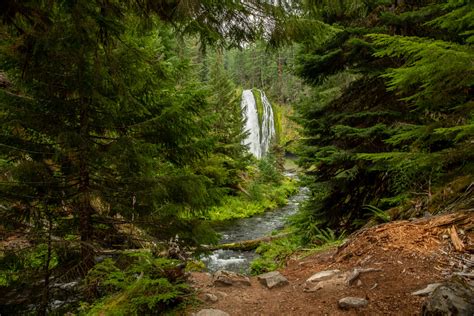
(124, 148)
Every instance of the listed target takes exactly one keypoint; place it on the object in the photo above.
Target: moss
(277, 117)
(260, 198)
(258, 101)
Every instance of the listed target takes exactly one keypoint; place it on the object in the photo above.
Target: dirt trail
(410, 254)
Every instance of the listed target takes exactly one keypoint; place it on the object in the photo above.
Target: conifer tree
(386, 110)
(129, 118)
(230, 154)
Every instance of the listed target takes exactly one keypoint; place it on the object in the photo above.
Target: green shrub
(273, 255)
(135, 284)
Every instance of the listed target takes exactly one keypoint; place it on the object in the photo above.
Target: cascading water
(260, 134)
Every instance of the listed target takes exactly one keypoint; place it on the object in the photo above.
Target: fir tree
(392, 93)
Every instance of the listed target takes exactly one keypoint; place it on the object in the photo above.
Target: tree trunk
(43, 308)
(280, 78)
(84, 207)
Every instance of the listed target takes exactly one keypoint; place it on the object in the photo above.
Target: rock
(212, 312)
(210, 297)
(454, 297)
(228, 278)
(352, 302)
(222, 294)
(337, 281)
(427, 290)
(272, 279)
(323, 275)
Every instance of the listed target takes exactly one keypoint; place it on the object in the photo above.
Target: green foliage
(438, 68)
(139, 137)
(20, 264)
(258, 101)
(268, 69)
(326, 236)
(399, 121)
(268, 172)
(274, 255)
(135, 284)
(260, 197)
(378, 214)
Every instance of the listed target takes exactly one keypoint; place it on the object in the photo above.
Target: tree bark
(84, 207)
(43, 309)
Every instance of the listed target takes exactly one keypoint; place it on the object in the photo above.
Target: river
(250, 228)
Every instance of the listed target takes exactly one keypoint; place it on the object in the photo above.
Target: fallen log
(245, 244)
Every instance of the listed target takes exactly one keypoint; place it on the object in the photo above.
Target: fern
(326, 236)
(378, 214)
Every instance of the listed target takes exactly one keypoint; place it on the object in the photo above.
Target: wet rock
(211, 312)
(352, 302)
(209, 297)
(455, 297)
(228, 278)
(272, 279)
(323, 275)
(427, 290)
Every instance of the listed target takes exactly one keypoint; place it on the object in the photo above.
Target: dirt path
(409, 254)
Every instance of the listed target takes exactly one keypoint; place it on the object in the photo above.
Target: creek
(250, 228)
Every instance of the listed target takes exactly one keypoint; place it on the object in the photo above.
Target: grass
(261, 198)
(275, 254)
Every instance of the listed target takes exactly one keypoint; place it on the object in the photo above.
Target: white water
(259, 136)
(247, 229)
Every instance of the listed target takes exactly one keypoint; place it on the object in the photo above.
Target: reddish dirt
(410, 254)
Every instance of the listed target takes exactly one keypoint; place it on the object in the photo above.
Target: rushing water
(260, 134)
(250, 228)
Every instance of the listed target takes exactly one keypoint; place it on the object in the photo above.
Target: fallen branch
(357, 272)
(245, 244)
(457, 242)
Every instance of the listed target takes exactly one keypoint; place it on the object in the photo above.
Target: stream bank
(250, 228)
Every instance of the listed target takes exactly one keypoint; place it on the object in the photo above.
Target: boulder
(352, 302)
(272, 279)
(454, 297)
(228, 278)
(323, 275)
(211, 312)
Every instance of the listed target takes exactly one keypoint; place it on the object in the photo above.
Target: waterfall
(260, 134)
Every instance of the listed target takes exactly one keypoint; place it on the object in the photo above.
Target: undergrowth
(275, 254)
(260, 198)
(264, 189)
(135, 284)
